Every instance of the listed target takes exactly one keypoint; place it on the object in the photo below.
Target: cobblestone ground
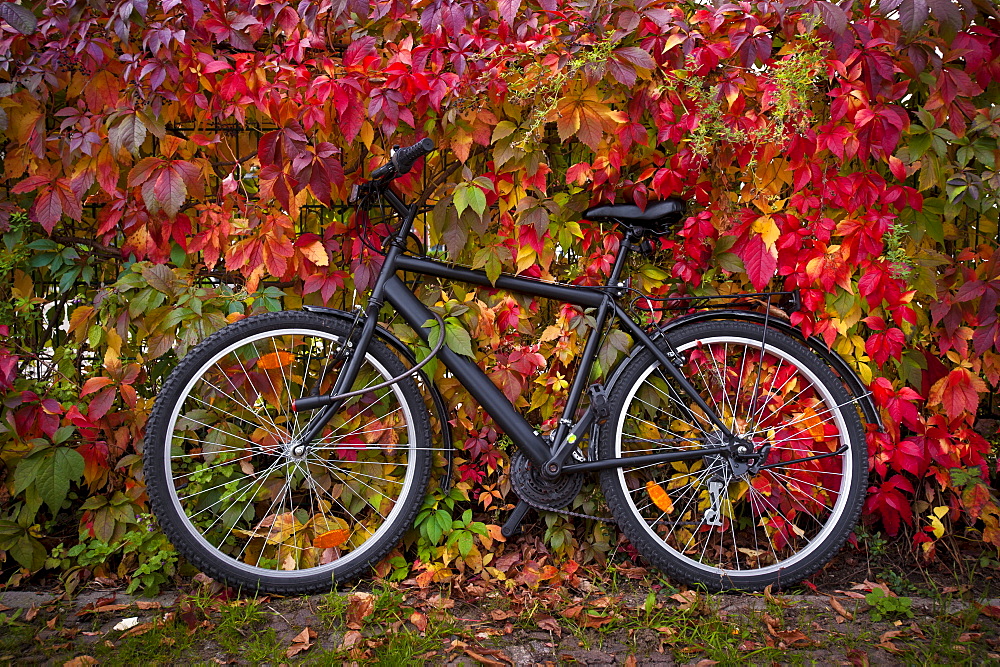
(105, 627)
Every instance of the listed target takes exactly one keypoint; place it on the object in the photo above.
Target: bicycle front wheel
(238, 495)
(720, 520)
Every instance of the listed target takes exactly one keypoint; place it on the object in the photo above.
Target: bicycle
(290, 451)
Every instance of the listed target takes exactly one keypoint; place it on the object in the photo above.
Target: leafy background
(172, 166)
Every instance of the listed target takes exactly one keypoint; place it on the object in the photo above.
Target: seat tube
(582, 379)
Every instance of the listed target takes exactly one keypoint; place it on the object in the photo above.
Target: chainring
(539, 492)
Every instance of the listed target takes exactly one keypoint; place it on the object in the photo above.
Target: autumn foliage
(170, 166)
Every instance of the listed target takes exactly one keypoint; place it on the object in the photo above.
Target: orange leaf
(93, 384)
(331, 539)
(659, 496)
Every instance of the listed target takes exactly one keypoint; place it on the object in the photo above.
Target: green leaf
(477, 200)
(28, 552)
(466, 541)
(63, 433)
(457, 338)
(60, 466)
(461, 198)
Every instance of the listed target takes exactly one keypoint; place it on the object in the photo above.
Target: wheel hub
(296, 451)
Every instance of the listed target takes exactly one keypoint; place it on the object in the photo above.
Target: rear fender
(843, 370)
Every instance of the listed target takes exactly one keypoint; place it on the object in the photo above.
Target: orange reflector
(659, 496)
(331, 539)
(274, 360)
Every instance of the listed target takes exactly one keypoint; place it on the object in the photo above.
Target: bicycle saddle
(658, 216)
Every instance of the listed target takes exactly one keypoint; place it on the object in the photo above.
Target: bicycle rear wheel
(715, 520)
(238, 496)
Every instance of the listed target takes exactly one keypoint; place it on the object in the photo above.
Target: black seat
(658, 216)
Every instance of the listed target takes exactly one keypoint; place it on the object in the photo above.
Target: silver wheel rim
(846, 468)
(373, 538)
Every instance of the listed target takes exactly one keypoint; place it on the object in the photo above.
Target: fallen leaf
(419, 620)
(858, 658)
(550, 624)
(706, 663)
(792, 636)
(146, 605)
(839, 608)
(31, 613)
(769, 596)
(686, 598)
(572, 612)
(631, 661)
(51, 625)
(885, 589)
(593, 620)
(970, 636)
(889, 646)
(483, 660)
(852, 594)
(140, 629)
(302, 642)
(81, 661)
(351, 637)
(101, 609)
(890, 634)
(992, 611)
(359, 607)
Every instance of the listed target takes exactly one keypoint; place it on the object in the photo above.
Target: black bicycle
(290, 451)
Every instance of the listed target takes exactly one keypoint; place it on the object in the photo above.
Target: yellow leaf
(525, 258)
(659, 497)
(316, 253)
(23, 286)
(768, 230)
(935, 518)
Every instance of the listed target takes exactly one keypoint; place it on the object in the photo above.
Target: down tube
(471, 377)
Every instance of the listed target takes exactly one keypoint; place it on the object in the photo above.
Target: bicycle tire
(704, 523)
(237, 498)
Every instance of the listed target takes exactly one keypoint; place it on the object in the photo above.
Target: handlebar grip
(403, 158)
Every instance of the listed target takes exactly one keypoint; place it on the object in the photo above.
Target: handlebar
(402, 159)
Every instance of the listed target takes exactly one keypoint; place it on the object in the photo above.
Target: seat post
(632, 236)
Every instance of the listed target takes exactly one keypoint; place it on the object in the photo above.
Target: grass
(394, 626)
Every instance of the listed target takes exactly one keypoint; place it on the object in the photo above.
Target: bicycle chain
(539, 506)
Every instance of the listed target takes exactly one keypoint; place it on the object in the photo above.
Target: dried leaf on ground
(302, 642)
(351, 637)
(419, 620)
(81, 661)
(550, 624)
(146, 605)
(483, 660)
(137, 630)
(770, 597)
(359, 607)
(839, 608)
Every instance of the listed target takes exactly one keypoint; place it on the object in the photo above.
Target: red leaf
(508, 9)
(101, 403)
(761, 265)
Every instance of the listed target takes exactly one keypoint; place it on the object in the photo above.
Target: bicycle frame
(551, 459)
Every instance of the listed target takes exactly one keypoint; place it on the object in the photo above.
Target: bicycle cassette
(538, 491)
